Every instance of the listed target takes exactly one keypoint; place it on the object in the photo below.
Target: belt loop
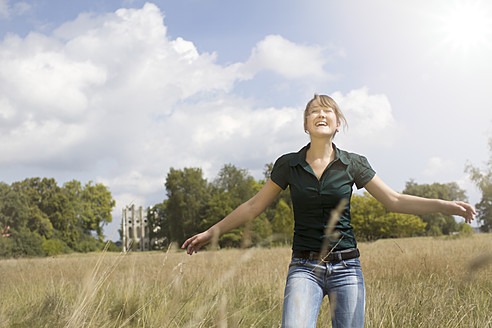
(339, 255)
(310, 255)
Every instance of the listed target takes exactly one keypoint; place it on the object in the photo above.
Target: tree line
(194, 204)
(38, 217)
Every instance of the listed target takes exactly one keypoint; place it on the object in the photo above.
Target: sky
(119, 91)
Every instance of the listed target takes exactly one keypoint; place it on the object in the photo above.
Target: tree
(14, 216)
(219, 205)
(87, 209)
(159, 233)
(47, 219)
(44, 201)
(261, 231)
(371, 220)
(283, 222)
(27, 243)
(231, 188)
(188, 193)
(483, 180)
(97, 206)
(14, 210)
(437, 223)
(52, 247)
(72, 229)
(236, 182)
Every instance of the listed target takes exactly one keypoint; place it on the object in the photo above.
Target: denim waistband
(341, 255)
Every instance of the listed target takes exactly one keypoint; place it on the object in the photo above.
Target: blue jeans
(308, 281)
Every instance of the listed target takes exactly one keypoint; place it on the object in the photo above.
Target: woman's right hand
(194, 243)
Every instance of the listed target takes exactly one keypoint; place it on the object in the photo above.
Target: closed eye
(316, 110)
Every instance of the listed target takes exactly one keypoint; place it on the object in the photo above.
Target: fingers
(468, 212)
(187, 242)
(192, 245)
(470, 215)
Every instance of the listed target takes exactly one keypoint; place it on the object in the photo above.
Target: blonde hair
(325, 101)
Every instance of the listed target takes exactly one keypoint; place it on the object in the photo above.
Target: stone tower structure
(135, 228)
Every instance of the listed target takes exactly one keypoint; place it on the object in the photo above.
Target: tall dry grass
(416, 282)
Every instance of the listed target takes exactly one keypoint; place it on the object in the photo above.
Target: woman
(320, 176)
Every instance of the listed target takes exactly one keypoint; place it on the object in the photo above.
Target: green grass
(414, 282)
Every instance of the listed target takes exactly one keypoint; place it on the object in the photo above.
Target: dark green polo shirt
(313, 199)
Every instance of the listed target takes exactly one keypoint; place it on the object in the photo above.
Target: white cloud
(370, 119)
(113, 96)
(106, 79)
(288, 59)
(438, 167)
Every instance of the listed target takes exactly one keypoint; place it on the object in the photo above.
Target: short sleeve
(363, 172)
(280, 172)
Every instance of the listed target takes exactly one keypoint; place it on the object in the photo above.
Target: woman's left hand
(462, 209)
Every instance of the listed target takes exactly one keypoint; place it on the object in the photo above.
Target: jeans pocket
(351, 263)
(297, 261)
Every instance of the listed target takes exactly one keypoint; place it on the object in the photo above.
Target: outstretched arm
(242, 214)
(409, 204)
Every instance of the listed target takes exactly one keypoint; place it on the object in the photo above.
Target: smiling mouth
(321, 124)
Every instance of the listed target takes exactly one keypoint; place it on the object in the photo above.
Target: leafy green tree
(437, 223)
(188, 193)
(27, 243)
(219, 205)
(397, 225)
(231, 188)
(6, 245)
(483, 180)
(71, 228)
(64, 216)
(236, 182)
(262, 229)
(283, 222)
(15, 218)
(41, 195)
(14, 210)
(87, 209)
(88, 243)
(371, 220)
(97, 206)
(53, 247)
(159, 234)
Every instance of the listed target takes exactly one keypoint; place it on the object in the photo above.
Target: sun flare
(466, 26)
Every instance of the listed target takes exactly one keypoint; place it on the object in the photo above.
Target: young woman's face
(321, 121)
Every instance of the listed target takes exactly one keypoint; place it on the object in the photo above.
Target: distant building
(135, 229)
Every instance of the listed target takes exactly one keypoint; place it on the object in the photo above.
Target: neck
(321, 148)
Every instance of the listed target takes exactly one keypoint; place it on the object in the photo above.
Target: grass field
(415, 282)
